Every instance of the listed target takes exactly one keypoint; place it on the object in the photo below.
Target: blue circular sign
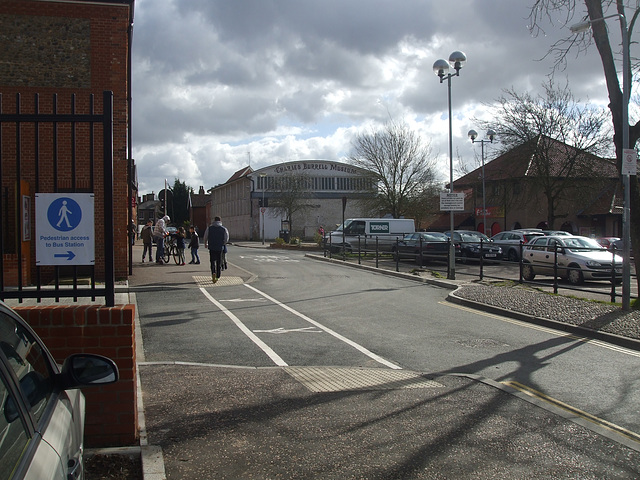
(64, 214)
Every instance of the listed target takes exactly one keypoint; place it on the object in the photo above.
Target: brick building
(586, 189)
(59, 57)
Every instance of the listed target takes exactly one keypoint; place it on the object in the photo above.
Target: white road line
(358, 347)
(263, 346)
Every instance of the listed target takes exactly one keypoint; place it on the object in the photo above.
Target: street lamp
(490, 135)
(262, 210)
(626, 220)
(441, 69)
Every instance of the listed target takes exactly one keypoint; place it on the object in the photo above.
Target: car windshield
(434, 237)
(473, 237)
(581, 243)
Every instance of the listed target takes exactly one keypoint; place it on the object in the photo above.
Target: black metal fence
(480, 266)
(46, 151)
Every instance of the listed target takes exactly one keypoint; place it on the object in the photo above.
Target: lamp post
(263, 208)
(626, 220)
(490, 135)
(441, 69)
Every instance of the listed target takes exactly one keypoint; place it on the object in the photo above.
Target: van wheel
(527, 272)
(575, 275)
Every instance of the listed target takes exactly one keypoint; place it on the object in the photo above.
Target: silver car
(42, 417)
(578, 258)
(511, 240)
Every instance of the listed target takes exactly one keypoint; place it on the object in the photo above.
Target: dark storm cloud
(284, 78)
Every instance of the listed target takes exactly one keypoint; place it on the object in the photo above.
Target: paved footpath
(225, 422)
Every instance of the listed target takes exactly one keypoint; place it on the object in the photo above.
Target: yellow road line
(584, 415)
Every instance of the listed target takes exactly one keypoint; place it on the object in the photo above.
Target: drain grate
(339, 379)
(205, 281)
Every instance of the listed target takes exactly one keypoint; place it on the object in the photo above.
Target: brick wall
(65, 48)
(111, 410)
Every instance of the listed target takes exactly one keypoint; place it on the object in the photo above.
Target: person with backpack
(215, 239)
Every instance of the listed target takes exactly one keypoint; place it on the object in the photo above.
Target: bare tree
(400, 162)
(542, 11)
(562, 138)
(294, 192)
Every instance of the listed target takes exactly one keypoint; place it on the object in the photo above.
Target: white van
(363, 232)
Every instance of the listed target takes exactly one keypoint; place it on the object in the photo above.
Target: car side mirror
(87, 369)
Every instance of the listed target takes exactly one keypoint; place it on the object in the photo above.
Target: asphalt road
(280, 309)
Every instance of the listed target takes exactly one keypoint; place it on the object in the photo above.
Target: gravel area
(584, 313)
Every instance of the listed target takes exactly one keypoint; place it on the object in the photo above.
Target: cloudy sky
(221, 84)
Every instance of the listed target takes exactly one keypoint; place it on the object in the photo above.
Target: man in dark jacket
(215, 239)
(147, 239)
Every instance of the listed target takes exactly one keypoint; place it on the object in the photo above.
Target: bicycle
(171, 250)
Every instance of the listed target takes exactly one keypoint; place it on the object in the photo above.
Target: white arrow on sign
(280, 330)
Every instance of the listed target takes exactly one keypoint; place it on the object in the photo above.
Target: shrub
(279, 241)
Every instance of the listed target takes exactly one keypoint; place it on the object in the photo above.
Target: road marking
(280, 330)
(335, 334)
(263, 346)
(239, 300)
(580, 413)
(550, 331)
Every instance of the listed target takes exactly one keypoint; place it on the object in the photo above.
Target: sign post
(65, 232)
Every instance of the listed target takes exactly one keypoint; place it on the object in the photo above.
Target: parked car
(578, 258)
(467, 244)
(511, 240)
(434, 246)
(619, 246)
(607, 242)
(42, 418)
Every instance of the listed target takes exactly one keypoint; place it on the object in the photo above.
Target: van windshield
(355, 227)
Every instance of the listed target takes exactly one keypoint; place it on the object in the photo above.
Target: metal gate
(55, 153)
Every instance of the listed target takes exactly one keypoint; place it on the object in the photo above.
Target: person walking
(147, 239)
(194, 244)
(180, 245)
(159, 232)
(215, 239)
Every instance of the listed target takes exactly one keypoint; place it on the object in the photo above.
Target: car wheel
(527, 272)
(419, 258)
(464, 258)
(574, 275)
(394, 254)
(512, 256)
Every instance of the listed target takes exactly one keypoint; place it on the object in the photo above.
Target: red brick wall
(111, 410)
(106, 27)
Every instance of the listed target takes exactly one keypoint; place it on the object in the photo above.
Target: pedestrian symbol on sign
(64, 214)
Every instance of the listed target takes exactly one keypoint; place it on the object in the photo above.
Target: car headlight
(593, 264)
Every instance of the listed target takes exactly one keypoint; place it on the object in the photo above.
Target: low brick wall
(111, 413)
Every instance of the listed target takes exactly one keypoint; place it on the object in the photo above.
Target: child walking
(194, 244)
(180, 245)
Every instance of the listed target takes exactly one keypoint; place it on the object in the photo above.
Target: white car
(578, 258)
(42, 412)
